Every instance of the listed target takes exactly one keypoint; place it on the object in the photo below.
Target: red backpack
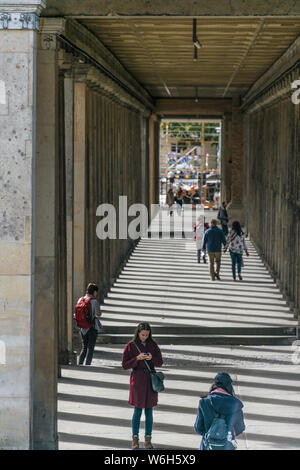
(83, 315)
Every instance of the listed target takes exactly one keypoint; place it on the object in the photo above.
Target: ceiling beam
(210, 107)
(142, 43)
(244, 57)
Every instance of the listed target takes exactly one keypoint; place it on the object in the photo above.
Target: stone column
(152, 163)
(226, 158)
(246, 167)
(48, 233)
(80, 164)
(236, 209)
(19, 24)
(144, 167)
(92, 191)
(157, 162)
(69, 159)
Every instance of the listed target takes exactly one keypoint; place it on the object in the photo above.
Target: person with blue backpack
(220, 416)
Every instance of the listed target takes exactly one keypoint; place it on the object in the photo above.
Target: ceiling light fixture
(196, 42)
(195, 53)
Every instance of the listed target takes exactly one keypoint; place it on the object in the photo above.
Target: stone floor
(163, 284)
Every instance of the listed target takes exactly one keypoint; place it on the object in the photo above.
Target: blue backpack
(216, 436)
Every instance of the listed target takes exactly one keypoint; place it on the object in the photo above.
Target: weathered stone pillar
(153, 162)
(144, 162)
(226, 158)
(69, 159)
(19, 24)
(236, 209)
(246, 135)
(49, 239)
(79, 207)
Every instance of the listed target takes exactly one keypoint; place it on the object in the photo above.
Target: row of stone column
(116, 167)
(272, 191)
(91, 149)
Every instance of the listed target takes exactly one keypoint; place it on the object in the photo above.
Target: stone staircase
(164, 285)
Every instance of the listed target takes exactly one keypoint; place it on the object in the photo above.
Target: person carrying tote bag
(141, 394)
(157, 378)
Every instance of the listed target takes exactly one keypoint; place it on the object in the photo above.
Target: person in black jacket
(221, 400)
(223, 217)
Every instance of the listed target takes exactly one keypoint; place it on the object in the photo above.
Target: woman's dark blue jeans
(88, 346)
(136, 419)
(236, 259)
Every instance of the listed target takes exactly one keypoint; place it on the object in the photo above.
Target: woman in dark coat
(141, 395)
(221, 400)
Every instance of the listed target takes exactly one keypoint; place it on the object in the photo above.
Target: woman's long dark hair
(142, 326)
(236, 226)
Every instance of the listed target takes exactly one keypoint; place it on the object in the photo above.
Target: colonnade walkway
(202, 327)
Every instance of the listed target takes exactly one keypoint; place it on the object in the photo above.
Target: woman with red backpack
(87, 313)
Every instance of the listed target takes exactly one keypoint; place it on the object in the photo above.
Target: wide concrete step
(193, 276)
(139, 281)
(189, 306)
(202, 339)
(205, 330)
(171, 297)
(185, 291)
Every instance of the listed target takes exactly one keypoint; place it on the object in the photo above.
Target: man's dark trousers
(225, 229)
(89, 341)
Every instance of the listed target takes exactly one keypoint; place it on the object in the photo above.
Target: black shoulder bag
(157, 378)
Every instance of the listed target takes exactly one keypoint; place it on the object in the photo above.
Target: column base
(46, 445)
(66, 358)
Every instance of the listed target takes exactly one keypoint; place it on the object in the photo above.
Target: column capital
(65, 61)
(52, 25)
(21, 14)
(50, 28)
(81, 71)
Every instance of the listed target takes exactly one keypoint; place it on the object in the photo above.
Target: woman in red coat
(141, 394)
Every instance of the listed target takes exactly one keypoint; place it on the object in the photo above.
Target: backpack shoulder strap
(217, 415)
(212, 408)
